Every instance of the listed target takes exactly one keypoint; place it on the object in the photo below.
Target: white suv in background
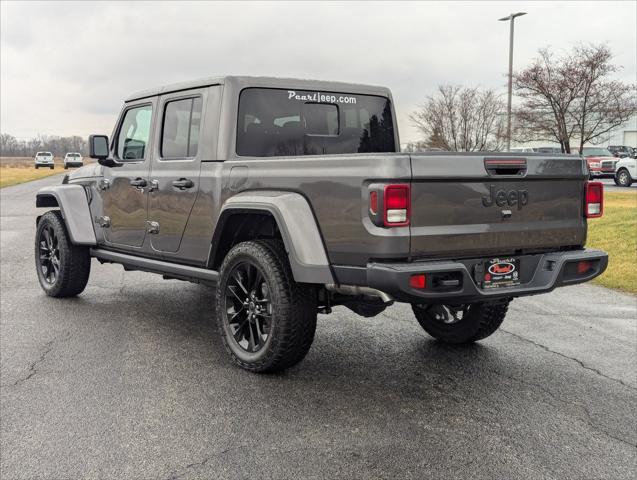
(44, 159)
(73, 159)
(625, 172)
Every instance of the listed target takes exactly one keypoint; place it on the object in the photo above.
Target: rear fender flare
(73, 203)
(300, 233)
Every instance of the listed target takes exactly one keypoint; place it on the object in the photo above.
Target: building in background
(625, 135)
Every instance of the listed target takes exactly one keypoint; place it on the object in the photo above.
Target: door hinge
(103, 221)
(152, 227)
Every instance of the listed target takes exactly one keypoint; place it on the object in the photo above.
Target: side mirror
(98, 146)
(98, 149)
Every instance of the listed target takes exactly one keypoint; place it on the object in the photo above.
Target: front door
(123, 189)
(175, 168)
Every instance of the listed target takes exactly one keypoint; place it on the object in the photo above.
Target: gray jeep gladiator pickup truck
(292, 197)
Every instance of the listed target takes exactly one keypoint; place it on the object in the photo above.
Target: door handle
(183, 183)
(139, 183)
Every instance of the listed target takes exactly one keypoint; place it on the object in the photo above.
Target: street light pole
(511, 19)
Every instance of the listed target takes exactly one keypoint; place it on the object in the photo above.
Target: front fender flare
(72, 201)
(298, 228)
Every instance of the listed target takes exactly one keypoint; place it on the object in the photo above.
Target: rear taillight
(389, 204)
(594, 199)
(396, 202)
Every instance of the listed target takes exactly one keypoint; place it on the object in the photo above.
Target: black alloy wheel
(63, 268)
(461, 323)
(266, 319)
(248, 307)
(49, 254)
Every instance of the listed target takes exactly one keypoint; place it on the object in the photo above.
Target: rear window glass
(44, 154)
(275, 122)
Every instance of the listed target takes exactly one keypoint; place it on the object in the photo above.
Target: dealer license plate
(501, 272)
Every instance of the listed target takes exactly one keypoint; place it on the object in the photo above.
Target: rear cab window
(180, 130)
(277, 122)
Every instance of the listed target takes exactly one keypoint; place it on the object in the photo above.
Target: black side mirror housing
(98, 149)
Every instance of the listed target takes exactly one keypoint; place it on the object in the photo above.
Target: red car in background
(601, 163)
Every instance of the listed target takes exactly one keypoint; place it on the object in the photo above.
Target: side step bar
(174, 270)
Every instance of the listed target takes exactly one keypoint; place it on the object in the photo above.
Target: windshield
(72, 154)
(596, 152)
(274, 122)
(44, 154)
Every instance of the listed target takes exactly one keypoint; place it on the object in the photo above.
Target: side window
(180, 132)
(134, 133)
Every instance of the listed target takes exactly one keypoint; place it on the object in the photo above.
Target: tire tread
(296, 313)
(481, 322)
(75, 260)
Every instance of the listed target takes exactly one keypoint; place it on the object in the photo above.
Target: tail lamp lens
(594, 206)
(396, 205)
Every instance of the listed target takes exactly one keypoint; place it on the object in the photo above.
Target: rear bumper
(541, 273)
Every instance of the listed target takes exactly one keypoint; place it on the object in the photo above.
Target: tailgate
(468, 204)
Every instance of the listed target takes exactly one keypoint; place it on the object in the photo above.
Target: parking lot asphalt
(129, 381)
(609, 186)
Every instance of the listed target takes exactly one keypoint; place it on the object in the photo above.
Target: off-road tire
(294, 308)
(37, 166)
(51, 167)
(74, 260)
(622, 178)
(480, 321)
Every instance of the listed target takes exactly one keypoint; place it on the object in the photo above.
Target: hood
(87, 171)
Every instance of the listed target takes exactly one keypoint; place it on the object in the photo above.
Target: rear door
(124, 200)
(175, 169)
(465, 205)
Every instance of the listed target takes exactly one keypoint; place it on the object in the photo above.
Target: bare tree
(603, 104)
(59, 146)
(571, 97)
(414, 147)
(461, 119)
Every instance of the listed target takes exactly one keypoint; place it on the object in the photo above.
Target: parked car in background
(523, 150)
(73, 159)
(601, 162)
(548, 150)
(44, 159)
(626, 172)
(620, 151)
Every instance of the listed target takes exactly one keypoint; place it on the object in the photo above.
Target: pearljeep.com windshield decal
(320, 97)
